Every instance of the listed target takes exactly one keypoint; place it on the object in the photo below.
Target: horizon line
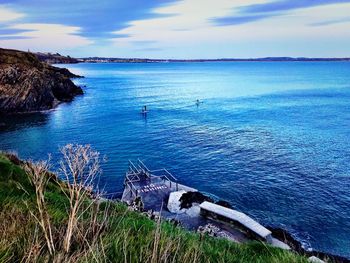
(215, 59)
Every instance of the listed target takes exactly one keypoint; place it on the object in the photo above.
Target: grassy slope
(129, 237)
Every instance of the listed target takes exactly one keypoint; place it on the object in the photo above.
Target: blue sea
(272, 138)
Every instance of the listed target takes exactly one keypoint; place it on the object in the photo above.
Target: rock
(189, 198)
(174, 202)
(13, 157)
(55, 58)
(209, 229)
(278, 243)
(174, 205)
(297, 246)
(287, 238)
(314, 259)
(193, 211)
(136, 205)
(26, 84)
(224, 204)
(153, 215)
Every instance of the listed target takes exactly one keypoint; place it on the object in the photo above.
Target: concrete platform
(239, 217)
(154, 188)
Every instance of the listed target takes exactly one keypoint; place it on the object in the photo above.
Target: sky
(183, 29)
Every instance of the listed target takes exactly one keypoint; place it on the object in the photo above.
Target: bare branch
(37, 172)
(80, 167)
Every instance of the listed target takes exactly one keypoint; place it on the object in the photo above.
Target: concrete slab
(240, 217)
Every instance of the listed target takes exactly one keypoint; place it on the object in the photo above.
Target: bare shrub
(86, 216)
(37, 175)
(80, 167)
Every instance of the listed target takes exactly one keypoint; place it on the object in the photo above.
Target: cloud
(285, 5)
(36, 36)
(148, 49)
(331, 22)
(194, 33)
(238, 20)
(143, 42)
(12, 31)
(60, 24)
(254, 12)
(7, 14)
(12, 37)
(115, 35)
(177, 29)
(97, 19)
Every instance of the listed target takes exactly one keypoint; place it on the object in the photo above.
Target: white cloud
(191, 26)
(189, 32)
(41, 37)
(7, 14)
(38, 37)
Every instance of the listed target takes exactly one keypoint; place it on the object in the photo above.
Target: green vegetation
(12, 57)
(125, 236)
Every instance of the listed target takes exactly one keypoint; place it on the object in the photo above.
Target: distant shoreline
(267, 59)
(57, 58)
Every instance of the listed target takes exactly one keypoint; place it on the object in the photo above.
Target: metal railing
(136, 170)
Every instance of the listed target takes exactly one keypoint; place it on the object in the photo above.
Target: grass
(127, 237)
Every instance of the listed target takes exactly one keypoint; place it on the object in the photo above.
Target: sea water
(272, 138)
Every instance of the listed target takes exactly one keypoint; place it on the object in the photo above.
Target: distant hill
(27, 84)
(147, 60)
(56, 58)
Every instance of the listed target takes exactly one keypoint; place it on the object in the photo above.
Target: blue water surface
(272, 138)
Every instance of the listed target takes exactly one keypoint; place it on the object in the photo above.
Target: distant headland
(27, 84)
(146, 60)
(59, 59)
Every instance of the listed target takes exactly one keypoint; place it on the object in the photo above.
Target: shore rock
(224, 204)
(209, 229)
(187, 199)
(314, 259)
(174, 204)
(26, 84)
(296, 246)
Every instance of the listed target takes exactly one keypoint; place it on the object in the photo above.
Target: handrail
(148, 170)
(133, 189)
(133, 175)
(166, 171)
(161, 176)
(131, 180)
(170, 174)
(157, 170)
(133, 167)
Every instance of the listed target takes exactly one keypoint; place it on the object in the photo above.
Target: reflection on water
(271, 138)
(21, 121)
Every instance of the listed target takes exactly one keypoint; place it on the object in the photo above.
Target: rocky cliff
(56, 58)
(27, 84)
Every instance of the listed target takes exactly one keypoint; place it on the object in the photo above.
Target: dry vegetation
(44, 219)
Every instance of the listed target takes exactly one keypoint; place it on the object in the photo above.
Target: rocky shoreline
(279, 233)
(297, 246)
(189, 198)
(284, 236)
(29, 85)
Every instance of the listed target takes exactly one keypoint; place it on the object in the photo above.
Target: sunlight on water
(271, 138)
